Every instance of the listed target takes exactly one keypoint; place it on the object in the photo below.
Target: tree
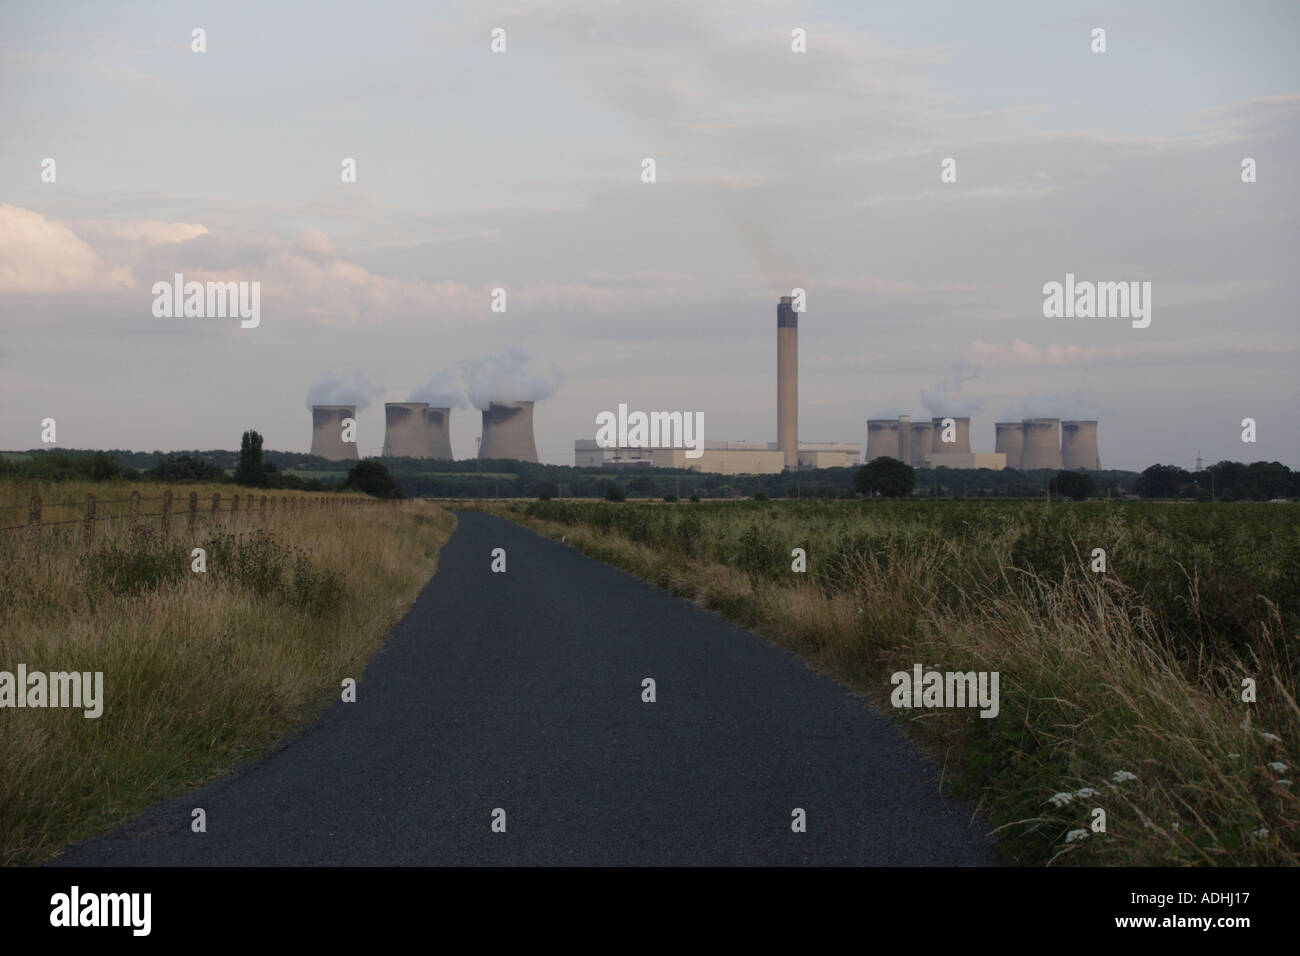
(373, 479)
(103, 466)
(249, 471)
(886, 476)
(1075, 485)
(1162, 481)
(615, 493)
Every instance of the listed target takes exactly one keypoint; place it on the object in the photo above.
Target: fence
(219, 507)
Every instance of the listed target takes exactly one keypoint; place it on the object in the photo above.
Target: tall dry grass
(200, 670)
(1109, 699)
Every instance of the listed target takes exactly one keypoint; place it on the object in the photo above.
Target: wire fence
(93, 511)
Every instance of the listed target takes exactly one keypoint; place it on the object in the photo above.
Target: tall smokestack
(787, 382)
(961, 434)
(1079, 446)
(883, 439)
(921, 443)
(508, 431)
(405, 435)
(327, 432)
(437, 423)
(1042, 447)
(1010, 440)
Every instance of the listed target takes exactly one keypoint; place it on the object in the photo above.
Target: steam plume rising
(508, 376)
(334, 389)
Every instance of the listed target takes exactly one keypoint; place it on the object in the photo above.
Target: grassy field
(200, 671)
(1120, 690)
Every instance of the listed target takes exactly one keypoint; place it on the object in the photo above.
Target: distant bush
(615, 493)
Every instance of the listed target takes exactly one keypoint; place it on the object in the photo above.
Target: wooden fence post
(88, 523)
(194, 509)
(135, 509)
(216, 504)
(234, 507)
(167, 513)
(34, 524)
(264, 508)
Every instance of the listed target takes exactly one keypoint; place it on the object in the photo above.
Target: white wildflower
(1076, 835)
(1119, 776)
(1085, 792)
(1274, 738)
(1277, 766)
(1284, 783)
(1061, 799)
(1261, 832)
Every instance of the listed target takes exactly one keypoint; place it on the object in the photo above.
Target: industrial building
(787, 453)
(718, 457)
(406, 433)
(1009, 439)
(437, 426)
(327, 432)
(1041, 444)
(1079, 446)
(916, 442)
(508, 432)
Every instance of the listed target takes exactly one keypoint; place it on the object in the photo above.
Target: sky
(774, 170)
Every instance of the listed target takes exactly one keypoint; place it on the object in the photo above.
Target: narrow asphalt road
(523, 691)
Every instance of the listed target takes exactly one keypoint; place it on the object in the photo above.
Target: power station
(508, 431)
(437, 427)
(1010, 441)
(1027, 445)
(406, 434)
(1079, 446)
(327, 432)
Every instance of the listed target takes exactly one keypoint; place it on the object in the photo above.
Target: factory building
(718, 457)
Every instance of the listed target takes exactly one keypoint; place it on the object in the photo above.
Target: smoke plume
(335, 389)
(946, 398)
(444, 389)
(508, 376)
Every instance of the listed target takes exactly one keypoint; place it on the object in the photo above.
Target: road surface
(522, 692)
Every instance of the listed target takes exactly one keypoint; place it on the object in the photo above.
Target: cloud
(37, 255)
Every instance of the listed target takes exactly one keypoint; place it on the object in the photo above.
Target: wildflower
(1061, 799)
(1277, 766)
(1284, 783)
(1119, 776)
(1085, 792)
(1234, 755)
(1076, 835)
(1261, 832)
(1175, 825)
(1273, 738)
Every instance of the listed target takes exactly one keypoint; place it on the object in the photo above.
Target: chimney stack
(787, 382)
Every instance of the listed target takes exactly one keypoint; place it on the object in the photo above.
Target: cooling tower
(882, 439)
(922, 441)
(1010, 441)
(405, 433)
(1042, 444)
(1079, 446)
(437, 424)
(508, 432)
(961, 446)
(327, 432)
(787, 382)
